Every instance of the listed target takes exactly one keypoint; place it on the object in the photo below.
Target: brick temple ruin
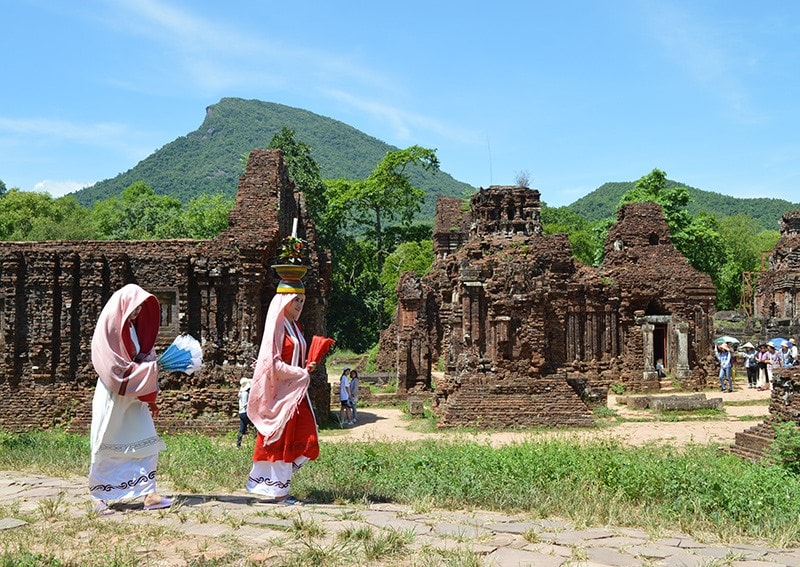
(218, 290)
(526, 334)
(776, 299)
(776, 312)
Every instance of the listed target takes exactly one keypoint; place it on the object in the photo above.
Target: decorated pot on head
(290, 266)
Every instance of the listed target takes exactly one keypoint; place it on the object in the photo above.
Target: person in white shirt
(345, 415)
(354, 395)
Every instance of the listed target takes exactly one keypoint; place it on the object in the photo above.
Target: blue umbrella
(778, 341)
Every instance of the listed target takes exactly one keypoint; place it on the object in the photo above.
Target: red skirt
(299, 438)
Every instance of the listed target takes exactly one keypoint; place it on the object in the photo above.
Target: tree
(745, 243)
(697, 238)
(582, 239)
(29, 215)
(205, 216)
(522, 178)
(702, 245)
(414, 257)
(386, 195)
(304, 172)
(354, 312)
(3, 189)
(361, 221)
(673, 200)
(138, 214)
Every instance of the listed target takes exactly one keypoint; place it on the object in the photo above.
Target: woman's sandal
(102, 508)
(161, 504)
(288, 501)
(291, 501)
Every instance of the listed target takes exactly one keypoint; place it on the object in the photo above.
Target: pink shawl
(277, 387)
(113, 352)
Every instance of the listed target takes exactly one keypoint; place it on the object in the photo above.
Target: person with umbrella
(725, 359)
(786, 354)
(764, 361)
(750, 363)
(770, 358)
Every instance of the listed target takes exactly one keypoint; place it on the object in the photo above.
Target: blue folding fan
(183, 355)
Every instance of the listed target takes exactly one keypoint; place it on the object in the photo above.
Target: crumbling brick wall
(776, 300)
(218, 290)
(776, 311)
(528, 335)
(656, 286)
(784, 407)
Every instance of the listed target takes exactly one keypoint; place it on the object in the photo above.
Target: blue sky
(575, 93)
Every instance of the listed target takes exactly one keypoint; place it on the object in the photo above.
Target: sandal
(291, 501)
(161, 504)
(288, 501)
(102, 508)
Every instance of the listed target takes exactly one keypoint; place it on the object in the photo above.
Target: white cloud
(219, 57)
(100, 133)
(103, 135)
(58, 188)
(710, 52)
(404, 122)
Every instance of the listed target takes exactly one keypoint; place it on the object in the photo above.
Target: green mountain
(208, 160)
(603, 201)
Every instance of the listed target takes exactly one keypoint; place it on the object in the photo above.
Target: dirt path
(390, 424)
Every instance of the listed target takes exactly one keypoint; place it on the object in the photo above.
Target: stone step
(745, 453)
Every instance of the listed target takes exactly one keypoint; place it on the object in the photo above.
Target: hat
(771, 344)
(792, 341)
(291, 278)
(748, 344)
(245, 383)
(723, 346)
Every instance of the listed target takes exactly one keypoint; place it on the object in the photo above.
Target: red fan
(319, 347)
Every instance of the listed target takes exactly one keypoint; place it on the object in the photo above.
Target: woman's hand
(311, 366)
(153, 409)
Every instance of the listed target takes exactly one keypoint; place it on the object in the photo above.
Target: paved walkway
(232, 529)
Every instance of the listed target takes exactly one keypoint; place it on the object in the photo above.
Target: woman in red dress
(279, 406)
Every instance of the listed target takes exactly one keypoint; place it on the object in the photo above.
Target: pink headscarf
(112, 348)
(277, 387)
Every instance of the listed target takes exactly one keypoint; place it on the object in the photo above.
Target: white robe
(124, 444)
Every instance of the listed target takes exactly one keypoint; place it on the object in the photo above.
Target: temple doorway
(660, 345)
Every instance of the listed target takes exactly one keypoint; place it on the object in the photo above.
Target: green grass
(694, 489)
(755, 402)
(703, 414)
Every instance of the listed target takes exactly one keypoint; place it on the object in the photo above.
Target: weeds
(307, 528)
(604, 412)
(785, 450)
(389, 542)
(432, 557)
(51, 508)
(697, 489)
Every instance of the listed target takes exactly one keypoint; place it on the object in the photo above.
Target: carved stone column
(682, 372)
(650, 372)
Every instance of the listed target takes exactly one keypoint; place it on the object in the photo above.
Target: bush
(785, 450)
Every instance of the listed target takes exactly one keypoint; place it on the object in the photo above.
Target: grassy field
(695, 489)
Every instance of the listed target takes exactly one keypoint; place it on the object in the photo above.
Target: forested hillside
(603, 201)
(208, 160)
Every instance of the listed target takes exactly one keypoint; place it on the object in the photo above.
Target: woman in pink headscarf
(279, 406)
(124, 442)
